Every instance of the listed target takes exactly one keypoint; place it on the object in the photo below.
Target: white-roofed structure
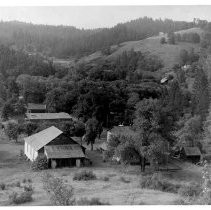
(60, 149)
(48, 116)
(37, 141)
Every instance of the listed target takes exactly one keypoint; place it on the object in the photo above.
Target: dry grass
(168, 53)
(114, 191)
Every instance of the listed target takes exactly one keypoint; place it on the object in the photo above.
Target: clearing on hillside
(167, 52)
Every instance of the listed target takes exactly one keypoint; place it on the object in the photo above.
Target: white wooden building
(59, 148)
(34, 143)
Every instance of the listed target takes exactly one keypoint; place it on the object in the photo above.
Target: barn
(59, 149)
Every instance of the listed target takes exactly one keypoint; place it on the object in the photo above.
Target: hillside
(166, 52)
(66, 41)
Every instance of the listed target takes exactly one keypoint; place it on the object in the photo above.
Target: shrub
(18, 184)
(163, 40)
(84, 176)
(29, 180)
(2, 186)
(157, 182)
(21, 154)
(91, 202)
(12, 131)
(24, 180)
(124, 180)
(28, 188)
(59, 194)
(41, 163)
(191, 190)
(23, 197)
(105, 178)
(181, 202)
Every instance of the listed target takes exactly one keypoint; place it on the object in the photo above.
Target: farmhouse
(39, 117)
(59, 149)
(36, 108)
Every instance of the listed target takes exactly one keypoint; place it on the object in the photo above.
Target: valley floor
(122, 188)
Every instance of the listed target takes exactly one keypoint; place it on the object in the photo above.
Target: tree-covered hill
(64, 41)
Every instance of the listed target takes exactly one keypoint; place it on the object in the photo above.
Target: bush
(2, 186)
(84, 176)
(163, 40)
(24, 197)
(41, 163)
(59, 194)
(28, 188)
(124, 180)
(18, 184)
(157, 182)
(12, 130)
(91, 202)
(29, 180)
(105, 178)
(191, 190)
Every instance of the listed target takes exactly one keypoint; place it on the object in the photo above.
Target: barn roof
(40, 139)
(48, 116)
(36, 106)
(64, 151)
(192, 151)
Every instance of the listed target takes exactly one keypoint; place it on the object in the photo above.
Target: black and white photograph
(105, 105)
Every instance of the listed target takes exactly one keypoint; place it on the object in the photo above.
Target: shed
(36, 108)
(36, 117)
(192, 154)
(56, 145)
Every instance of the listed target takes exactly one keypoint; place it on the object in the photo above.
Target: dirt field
(115, 191)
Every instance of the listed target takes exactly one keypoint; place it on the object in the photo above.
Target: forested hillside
(64, 41)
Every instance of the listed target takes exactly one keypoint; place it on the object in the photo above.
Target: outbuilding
(41, 117)
(36, 108)
(191, 154)
(59, 149)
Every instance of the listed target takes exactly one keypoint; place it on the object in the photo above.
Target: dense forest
(64, 41)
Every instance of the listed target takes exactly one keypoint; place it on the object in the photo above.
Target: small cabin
(191, 154)
(36, 108)
(59, 149)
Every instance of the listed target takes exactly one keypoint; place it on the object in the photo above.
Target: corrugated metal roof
(64, 151)
(48, 116)
(38, 140)
(192, 151)
(36, 106)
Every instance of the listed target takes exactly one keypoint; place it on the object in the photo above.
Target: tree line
(64, 41)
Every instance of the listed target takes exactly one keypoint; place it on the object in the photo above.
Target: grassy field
(168, 53)
(122, 186)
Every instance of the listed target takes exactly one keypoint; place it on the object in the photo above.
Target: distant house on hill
(191, 154)
(59, 149)
(38, 117)
(36, 108)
